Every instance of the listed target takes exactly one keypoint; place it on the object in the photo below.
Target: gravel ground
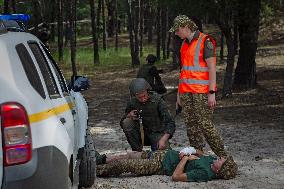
(251, 123)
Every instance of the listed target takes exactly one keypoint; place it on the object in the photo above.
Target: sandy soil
(251, 123)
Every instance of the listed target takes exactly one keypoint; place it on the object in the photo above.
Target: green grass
(109, 59)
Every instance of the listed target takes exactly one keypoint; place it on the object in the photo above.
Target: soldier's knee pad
(128, 125)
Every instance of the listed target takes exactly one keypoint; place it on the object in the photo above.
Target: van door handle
(63, 120)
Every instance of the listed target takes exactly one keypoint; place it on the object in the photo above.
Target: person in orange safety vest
(197, 84)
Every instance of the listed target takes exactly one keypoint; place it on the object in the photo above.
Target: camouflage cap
(180, 20)
(229, 169)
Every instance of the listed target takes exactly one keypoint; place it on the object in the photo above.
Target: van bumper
(47, 169)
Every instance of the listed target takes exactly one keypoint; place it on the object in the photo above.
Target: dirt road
(251, 123)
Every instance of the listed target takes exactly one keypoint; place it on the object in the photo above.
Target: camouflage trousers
(198, 119)
(149, 164)
(133, 135)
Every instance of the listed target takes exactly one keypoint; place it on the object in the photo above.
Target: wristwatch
(211, 92)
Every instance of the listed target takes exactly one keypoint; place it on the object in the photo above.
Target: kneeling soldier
(147, 120)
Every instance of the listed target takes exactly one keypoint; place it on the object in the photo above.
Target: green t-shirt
(196, 170)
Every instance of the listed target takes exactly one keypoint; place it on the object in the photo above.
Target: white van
(45, 139)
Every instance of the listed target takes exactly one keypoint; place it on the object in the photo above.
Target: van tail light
(16, 134)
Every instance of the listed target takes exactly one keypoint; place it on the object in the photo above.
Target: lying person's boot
(100, 159)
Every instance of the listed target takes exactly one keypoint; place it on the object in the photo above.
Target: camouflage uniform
(156, 122)
(197, 114)
(150, 164)
(164, 162)
(198, 119)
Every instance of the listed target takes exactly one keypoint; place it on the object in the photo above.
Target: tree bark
(149, 21)
(228, 78)
(14, 6)
(60, 30)
(168, 34)
(94, 32)
(99, 16)
(158, 44)
(53, 19)
(136, 19)
(248, 26)
(6, 7)
(104, 25)
(222, 47)
(163, 28)
(111, 18)
(37, 14)
(73, 39)
(116, 26)
(236, 36)
(134, 58)
(176, 43)
(141, 12)
(225, 22)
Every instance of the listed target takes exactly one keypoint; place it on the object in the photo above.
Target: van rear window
(30, 69)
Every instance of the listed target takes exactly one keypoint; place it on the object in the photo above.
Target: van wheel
(87, 168)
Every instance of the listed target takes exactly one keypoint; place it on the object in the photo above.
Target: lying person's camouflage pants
(149, 164)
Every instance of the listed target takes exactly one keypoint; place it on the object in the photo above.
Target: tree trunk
(158, 44)
(6, 7)
(104, 25)
(248, 26)
(222, 47)
(163, 28)
(111, 18)
(37, 13)
(224, 21)
(135, 13)
(176, 43)
(60, 30)
(116, 26)
(167, 31)
(130, 30)
(99, 16)
(228, 78)
(168, 45)
(236, 36)
(141, 12)
(14, 6)
(75, 25)
(94, 32)
(149, 22)
(73, 39)
(53, 19)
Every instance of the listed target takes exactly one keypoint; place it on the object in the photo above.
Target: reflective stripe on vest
(194, 81)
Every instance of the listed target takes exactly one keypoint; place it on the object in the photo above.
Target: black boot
(100, 159)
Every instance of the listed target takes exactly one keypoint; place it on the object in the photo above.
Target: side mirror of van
(79, 83)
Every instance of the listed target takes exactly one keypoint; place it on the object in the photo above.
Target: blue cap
(17, 17)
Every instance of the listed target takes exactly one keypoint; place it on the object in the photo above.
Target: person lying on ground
(188, 165)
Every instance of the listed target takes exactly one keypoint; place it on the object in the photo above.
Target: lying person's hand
(192, 157)
(189, 157)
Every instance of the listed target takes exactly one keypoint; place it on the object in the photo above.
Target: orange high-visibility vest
(194, 75)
